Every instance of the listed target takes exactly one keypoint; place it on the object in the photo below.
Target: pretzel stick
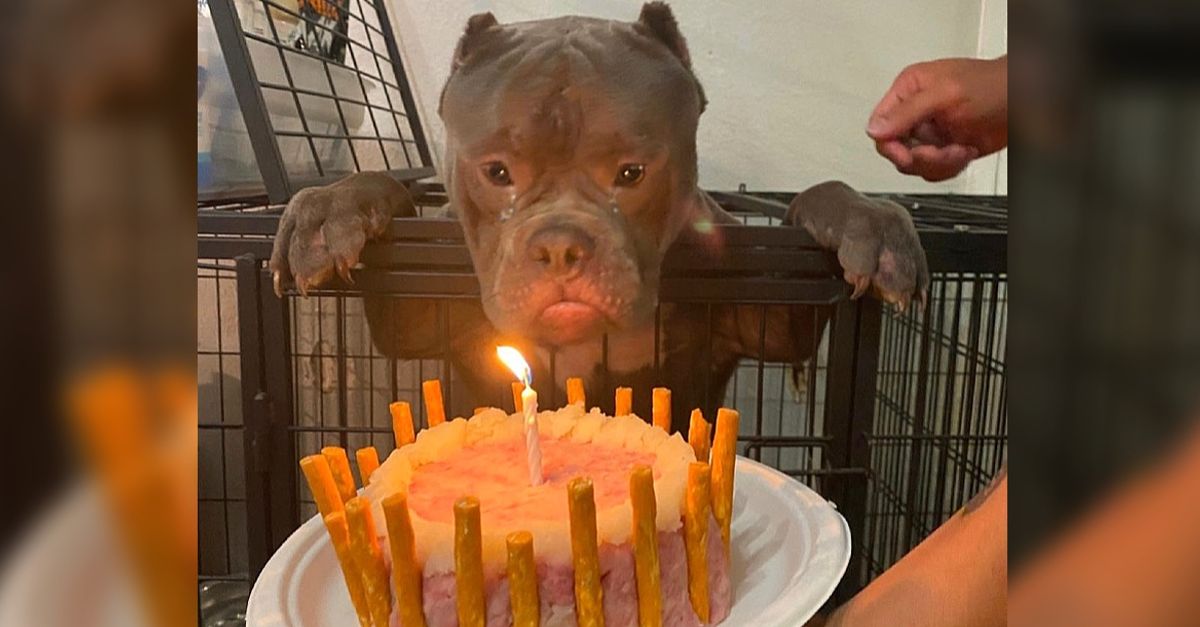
(368, 462)
(468, 563)
(435, 409)
(624, 402)
(724, 454)
(661, 408)
(320, 483)
(369, 558)
(339, 535)
(402, 423)
(406, 575)
(517, 388)
(575, 392)
(645, 546)
(339, 465)
(585, 553)
(698, 435)
(695, 536)
(522, 580)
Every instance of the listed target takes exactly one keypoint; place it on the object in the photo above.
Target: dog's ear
(476, 25)
(659, 22)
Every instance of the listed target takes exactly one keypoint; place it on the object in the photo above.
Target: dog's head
(571, 161)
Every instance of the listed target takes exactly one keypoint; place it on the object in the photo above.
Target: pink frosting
(497, 475)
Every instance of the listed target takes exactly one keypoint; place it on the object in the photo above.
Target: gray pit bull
(571, 165)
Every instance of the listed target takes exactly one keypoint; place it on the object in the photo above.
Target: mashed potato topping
(485, 457)
(497, 475)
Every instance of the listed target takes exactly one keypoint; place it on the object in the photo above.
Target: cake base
(790, 549)
(556, 589)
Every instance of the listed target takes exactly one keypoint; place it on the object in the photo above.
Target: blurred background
(98, 236)
(1105, 251)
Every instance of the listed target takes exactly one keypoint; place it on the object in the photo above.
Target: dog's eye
(630, 174)
(497, 173)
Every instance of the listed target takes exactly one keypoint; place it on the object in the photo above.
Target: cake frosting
(484, 456)
(488, 470)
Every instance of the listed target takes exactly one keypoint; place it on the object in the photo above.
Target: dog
(571, 166)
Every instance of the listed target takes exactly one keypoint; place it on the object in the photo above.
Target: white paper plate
(790, 549)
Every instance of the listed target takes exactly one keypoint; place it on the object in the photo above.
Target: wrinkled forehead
(547, 88)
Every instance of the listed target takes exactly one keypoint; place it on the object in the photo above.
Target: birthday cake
(624, 528)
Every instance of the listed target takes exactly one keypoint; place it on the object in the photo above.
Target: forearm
(955, 577)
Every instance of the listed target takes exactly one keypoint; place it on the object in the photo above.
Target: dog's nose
(561, 250)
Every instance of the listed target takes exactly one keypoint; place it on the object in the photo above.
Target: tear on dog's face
(571, 161)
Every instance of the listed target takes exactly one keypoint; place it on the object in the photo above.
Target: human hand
(940, 115)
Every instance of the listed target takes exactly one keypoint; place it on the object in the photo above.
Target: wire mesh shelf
(322, 89)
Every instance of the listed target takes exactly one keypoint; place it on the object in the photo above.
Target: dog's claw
(277, 282)
(861, 284)
(343, 270)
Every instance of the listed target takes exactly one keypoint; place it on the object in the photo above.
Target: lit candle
(533, 452)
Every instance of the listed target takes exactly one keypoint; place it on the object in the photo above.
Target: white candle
(533, 451)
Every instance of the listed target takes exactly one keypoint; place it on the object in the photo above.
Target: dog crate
(897, 419)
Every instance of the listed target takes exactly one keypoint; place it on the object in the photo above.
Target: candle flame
(515, 362)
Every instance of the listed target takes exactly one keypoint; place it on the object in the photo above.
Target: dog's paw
(323, 229)
(885, 257)
(875, 240)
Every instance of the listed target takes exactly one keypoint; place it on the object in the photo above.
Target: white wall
(790, 82)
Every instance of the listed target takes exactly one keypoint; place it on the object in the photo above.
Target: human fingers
(899, 119)
(939, 163)
(895, 151)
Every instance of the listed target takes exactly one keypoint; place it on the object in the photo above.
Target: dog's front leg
(323, 231)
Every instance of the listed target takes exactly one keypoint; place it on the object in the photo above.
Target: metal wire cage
(897, 419)
(314, 371)
(940, 429)
(321, 92)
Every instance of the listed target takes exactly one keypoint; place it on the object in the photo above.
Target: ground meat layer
(556, 589)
